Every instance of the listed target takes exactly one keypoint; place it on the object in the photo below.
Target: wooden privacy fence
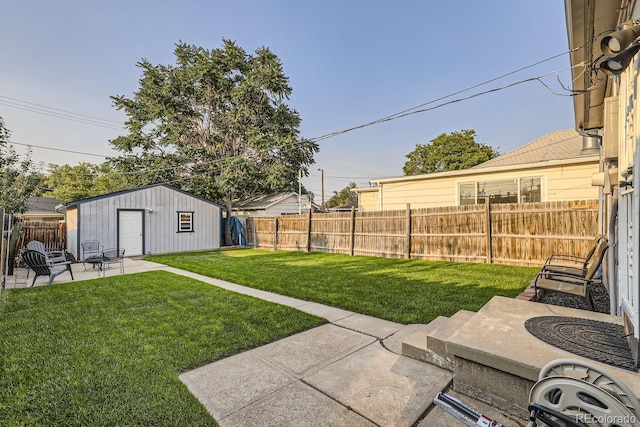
(52, 234)
(521, 234)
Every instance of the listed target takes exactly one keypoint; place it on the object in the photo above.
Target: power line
(60, 114)
(416, 111)
(387, 118)
(58, 109)
(58, 149)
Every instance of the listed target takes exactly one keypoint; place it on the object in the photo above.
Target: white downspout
(612, 254)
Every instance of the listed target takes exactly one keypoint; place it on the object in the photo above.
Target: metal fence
(520, 234)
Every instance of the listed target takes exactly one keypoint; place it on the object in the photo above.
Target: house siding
(288, 205)
(99, 220)
(559, 182)
(71, 220)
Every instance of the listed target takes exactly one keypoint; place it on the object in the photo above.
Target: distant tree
(69, 183)
(222, 117)
(18, 180)
(343, 197)
(448, 152)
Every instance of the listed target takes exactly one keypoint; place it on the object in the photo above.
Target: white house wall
(629, 196)
(286, 206)
(98, 220)
(289, 205)
(559, 182)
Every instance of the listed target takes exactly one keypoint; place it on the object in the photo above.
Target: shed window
(520, 190)
(185, 222)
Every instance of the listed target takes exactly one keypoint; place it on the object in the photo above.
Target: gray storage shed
(145, 220)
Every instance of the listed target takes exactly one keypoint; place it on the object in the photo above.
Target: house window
(519, 190)
(185, 222)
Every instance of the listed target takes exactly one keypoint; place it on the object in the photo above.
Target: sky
(349, 62)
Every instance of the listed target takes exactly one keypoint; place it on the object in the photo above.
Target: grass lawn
(405, 291)
(108, 352)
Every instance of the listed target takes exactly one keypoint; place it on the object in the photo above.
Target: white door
(130, 232)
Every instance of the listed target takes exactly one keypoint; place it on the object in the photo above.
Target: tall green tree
(69, 183)
(222, 116)
(343, 197)
(448, 152)
(18, 180)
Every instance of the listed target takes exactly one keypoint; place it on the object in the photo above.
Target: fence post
(408, 250)
(352, 230)
(488, 231)
(309, 231)
(275, 235)
(4, 246)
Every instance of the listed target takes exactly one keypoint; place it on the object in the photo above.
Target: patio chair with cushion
(575, 284)
(37, 262)
(576, 266)
(113, 256)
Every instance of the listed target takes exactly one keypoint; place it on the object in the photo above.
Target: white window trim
(181, 223)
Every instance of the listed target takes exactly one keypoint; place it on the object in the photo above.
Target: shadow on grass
(400, 290)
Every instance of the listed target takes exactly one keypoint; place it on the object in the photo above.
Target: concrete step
(497, 360)
(428, 344)
(394, 342)
(415, 344)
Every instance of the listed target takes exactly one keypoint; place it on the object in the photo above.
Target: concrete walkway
(345, 373)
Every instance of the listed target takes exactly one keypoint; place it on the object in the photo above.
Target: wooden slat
(522, 234)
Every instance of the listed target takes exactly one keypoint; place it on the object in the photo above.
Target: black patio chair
(113, 256)
(91, 253)
(37, 262)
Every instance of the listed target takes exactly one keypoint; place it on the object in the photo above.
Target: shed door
(130, 232)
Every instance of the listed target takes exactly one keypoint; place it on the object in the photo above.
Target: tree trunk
(228, 237)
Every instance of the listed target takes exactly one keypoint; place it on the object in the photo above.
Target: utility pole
(322, 177)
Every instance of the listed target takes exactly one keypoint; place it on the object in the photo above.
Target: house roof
(131, 190)
(533, 155)
(42, 206)
(263, 201)
(558, 145)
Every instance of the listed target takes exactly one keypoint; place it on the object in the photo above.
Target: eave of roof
(132, 190)
(587, 20)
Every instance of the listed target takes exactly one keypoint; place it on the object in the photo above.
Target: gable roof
(558, 145)
(42, 206)
(264, 201)
(548, 150)
(132, 190)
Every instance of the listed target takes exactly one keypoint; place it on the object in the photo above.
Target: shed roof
(131, 190)
(558, 145)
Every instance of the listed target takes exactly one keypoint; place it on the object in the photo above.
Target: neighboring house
(607, 112)
(273, 205)
(554, 167)
(146, 220)
(43, 209)
(343, 208)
